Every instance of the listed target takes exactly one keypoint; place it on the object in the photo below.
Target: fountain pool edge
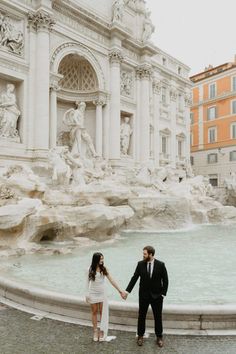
(201, 318)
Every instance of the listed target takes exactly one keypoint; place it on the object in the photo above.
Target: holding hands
(123, 294)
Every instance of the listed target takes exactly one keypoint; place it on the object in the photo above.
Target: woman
(97, 298)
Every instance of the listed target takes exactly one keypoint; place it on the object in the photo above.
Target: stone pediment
(181, 136)
(165, 131)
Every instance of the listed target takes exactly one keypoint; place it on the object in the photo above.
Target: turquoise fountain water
(201, 264)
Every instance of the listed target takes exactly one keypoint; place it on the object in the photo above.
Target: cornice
(79, 13)
(14, 64)
(223, 96)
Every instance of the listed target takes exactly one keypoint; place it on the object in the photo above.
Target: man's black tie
(149, 269)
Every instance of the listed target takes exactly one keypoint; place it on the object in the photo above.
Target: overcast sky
(197, 32)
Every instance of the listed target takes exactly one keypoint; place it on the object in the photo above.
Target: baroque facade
(213, 123)
(56, 54)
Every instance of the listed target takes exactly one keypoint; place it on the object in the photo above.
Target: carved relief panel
(11, 34)
(127, 83)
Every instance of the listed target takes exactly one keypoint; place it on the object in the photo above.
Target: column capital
(54, 86)
(116, 56)
(99, 102)
(40, 20)
(173, 94)
(156, 86)
(144, 71)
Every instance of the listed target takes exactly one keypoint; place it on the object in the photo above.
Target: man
(152, 289)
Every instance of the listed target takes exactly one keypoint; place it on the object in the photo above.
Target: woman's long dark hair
(95, 262)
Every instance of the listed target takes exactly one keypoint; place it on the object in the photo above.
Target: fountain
(80, 205)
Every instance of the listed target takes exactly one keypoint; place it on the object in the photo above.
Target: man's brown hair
(149, 249)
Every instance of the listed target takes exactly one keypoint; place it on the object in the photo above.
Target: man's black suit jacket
(155, 286)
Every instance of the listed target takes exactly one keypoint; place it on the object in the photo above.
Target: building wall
(141, 71)
(224, 143)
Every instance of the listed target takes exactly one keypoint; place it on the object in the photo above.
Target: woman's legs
(100, 311)
(94, 308)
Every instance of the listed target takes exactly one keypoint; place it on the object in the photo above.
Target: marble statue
(77, 168)
(61, 170)
(118, 10)
(125, 134)
(78, 133)
(148, 27)
(9, 113)
(10, 36)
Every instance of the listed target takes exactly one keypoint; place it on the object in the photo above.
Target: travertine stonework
(57, 54)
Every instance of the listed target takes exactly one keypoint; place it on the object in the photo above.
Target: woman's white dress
(96, 292)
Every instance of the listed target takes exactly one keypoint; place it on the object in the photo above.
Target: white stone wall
(221, 168)
(43, 102)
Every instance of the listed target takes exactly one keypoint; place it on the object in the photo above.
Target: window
(191, 117)
(180, 146)
(164, 61)
(212, 90)
(163, 96)
(192, 160)
(212, 135)
(233, 130)
(164, 145)
(234, 83)
(233, 107)
(232, 156)
(212, 158)
(211, 113)
(179, 70)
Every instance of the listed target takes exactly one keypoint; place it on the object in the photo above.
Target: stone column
(173, 145)
(31, 86)
(187, 101)
(99, 126)
(144, 74)
(115, 60)
(156, 86)
(54, 87)
(137, 119)
(42, 23)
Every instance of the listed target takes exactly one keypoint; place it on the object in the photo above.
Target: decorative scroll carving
(11, 37)
(188, 100)
(156, 85)
(173, 94)
(126, 84)
(41, 20)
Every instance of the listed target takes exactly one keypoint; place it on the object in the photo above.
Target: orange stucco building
(213, 122)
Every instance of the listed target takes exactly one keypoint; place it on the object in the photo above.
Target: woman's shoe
(95, 335)
(102, 339)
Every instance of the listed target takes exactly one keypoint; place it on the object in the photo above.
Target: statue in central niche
(74, 118)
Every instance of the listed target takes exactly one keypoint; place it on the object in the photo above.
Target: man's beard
(147, 259)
